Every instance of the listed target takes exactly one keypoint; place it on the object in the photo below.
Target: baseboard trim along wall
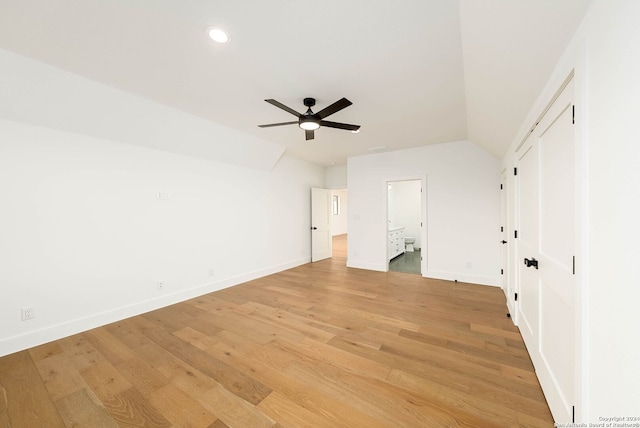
(58, 331)
(452, 276)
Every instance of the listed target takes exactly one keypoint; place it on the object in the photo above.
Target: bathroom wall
(404, 207)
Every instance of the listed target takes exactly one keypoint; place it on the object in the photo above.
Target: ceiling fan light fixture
(311, 121)
(309, 124)
(218, 35)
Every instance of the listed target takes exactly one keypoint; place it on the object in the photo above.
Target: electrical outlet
(160, 285)
(27, 313)
(212, 272)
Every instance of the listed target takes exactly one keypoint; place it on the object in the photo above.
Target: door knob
(533, 262)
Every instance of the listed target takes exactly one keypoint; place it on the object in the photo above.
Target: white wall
(603, 54)
(336, 177)
(463, 209)
(43, 95)
(404, 200)
(85, 239)
(339, 222)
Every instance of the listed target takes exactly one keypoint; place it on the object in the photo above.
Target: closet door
(556, 250)
(528, 295)
(546, 243)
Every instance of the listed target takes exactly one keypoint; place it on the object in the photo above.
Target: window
(336, 205)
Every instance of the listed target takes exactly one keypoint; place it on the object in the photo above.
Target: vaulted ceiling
(417, 71)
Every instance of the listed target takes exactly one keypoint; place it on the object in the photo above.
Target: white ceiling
(418, 71)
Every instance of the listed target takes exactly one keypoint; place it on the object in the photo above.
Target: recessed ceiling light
(218, 35)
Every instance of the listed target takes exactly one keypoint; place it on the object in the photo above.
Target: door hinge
(574, 265)
(501, 228)
(515, 234)
(573, 114)
(501, 187)
(516, 297)
(573, 414)
(501, 271)
(515, 171)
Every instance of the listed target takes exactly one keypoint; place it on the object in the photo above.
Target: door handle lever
(503, 241)
(533, 262)
(314, 228)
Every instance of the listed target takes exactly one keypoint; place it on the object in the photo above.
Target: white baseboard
(366, 265)
(58, 331)
(473, 279)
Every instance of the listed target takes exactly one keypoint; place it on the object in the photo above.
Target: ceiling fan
(311, 121)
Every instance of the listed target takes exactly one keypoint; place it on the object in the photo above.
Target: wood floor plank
(27, 402)
(290, 414)
(238, 382)
(4, 408)
(233, 410)
(180, 408)
(130, 409)
(319, 345)
(142, 376)
(80, 352)
(80, 410)
(189, 379)
(109, 346)
(104, 380)
(335, 409)
(59, 376)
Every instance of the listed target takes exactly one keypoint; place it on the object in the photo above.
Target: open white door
(505, 272)
(321, 247)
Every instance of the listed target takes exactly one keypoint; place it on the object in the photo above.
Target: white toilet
(408, 244)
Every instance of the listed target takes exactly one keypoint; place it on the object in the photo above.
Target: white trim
(473, 279)
(424, 244)
(366, 265)
(58, 331)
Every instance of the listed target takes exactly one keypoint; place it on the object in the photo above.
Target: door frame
(423, 218)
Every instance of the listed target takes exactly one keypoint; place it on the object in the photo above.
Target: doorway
(404, 226)
(339, 223)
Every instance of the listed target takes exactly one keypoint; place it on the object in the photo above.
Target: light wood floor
(318, 345)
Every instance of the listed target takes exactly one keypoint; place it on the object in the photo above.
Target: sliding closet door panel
(527, 243)
(556, 250)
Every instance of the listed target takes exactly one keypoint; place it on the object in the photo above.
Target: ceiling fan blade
(283, 107)
(333, 108)
(309, 134)
(269, 125)
(339, 125)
